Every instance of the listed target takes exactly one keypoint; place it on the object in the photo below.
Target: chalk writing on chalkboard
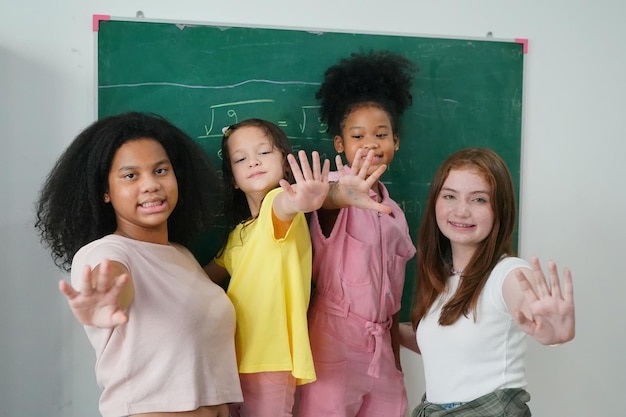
(203, 78)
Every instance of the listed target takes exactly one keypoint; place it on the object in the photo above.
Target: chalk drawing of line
(211, 87)
(236, 103)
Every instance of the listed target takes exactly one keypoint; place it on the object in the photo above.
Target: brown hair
(434, 257)
(236, 209)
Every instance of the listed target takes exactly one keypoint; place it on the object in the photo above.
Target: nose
(253, 161)
(462, 208)
(150, 184)
(370, 143)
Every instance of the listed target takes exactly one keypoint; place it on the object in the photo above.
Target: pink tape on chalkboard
(524, 43)
(96, 20)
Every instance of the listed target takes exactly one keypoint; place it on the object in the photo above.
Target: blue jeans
(449, 406)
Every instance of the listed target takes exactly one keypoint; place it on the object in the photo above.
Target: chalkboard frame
(453, 92)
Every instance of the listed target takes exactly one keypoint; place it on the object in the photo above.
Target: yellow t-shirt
(270, 287)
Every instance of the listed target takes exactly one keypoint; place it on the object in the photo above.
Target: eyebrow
(164, 161)
(471, 192)
(383, 126)
(256, 147)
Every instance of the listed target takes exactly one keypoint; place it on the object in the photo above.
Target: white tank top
(468, 359)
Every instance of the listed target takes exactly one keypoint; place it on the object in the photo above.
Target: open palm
(550, 318)
(97, 302)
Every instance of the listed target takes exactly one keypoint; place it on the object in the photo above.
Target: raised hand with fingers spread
(99, 299)
(550, 310)
(311, 187)
(353, 187)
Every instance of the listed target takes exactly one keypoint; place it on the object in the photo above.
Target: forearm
(407, 337)
(395, 340)
(216, 273)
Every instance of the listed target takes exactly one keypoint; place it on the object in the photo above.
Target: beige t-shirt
(176, 352)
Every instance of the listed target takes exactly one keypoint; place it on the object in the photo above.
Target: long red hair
(434, 256)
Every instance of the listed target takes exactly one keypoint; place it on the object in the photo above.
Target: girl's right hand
(98, 303)
(311, 186)
(353, 188)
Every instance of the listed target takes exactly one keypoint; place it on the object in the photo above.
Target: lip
(461, 226)
(153, 205)
(256, 174)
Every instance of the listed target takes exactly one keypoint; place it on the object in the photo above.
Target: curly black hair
(382, 78)
(71, 212)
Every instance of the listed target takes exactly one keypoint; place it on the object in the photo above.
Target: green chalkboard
(203, 77)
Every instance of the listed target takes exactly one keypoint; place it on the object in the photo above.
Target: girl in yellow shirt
(268, 257)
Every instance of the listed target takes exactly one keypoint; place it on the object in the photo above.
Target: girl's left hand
(311, 183)
(550, 312)
(353, 188)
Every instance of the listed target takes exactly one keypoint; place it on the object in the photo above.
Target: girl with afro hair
(361, 244)
(116, 210)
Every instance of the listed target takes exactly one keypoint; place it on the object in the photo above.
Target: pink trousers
(343, 387)
(266, 394)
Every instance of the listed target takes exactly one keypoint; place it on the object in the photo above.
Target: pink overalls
(358, 273)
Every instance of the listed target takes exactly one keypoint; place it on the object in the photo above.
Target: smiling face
(257, 165)
(368, 128)
(464, 209)
(142, 189)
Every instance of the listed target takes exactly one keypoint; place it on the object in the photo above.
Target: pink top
(359, 269)
(176, 352)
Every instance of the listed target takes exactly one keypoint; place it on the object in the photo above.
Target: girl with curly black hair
(115, 210)
(361, 244)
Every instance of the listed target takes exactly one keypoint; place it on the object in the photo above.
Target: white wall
(573, 202)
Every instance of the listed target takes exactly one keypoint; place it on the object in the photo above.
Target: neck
(159, 236)
(461, 257)
(254, 202)
(255, 199)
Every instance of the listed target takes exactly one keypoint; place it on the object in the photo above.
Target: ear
(339, 144)
(107, 198)
(396, 142)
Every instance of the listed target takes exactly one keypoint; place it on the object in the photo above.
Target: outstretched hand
(550, 317)
(311, 183)
(98, 301)
(353, 188)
